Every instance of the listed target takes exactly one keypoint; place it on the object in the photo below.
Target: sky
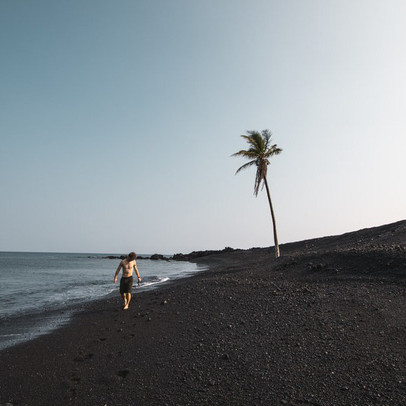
(118, 121)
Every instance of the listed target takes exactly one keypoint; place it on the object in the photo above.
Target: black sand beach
(323, 325)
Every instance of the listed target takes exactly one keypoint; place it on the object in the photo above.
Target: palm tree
(258, 154)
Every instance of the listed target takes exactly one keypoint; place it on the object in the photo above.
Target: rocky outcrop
(156, 257)
(199, 254)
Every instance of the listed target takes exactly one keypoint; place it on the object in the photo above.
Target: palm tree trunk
(275, 235)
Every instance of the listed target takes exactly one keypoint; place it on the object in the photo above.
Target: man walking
(126, 283)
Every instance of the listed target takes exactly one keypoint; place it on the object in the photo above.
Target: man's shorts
(126, 284)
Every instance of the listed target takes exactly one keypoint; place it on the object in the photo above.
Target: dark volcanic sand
(323, 325)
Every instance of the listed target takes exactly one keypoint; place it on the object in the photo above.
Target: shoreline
(24, 326)
(325, 324)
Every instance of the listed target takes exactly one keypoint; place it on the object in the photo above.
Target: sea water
(39, 291)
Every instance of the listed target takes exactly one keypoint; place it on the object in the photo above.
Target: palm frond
(266, 135)
(245, 166)
(257, 141)
(251, 140)
(262, 166)
(274, 150)
(246, 153)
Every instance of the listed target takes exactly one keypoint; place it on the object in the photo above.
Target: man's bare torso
(128, 267)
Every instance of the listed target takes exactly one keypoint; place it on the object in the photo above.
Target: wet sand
(323, 325)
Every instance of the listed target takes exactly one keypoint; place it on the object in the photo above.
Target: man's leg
(127, 300)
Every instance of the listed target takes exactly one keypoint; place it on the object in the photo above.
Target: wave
(153, 282)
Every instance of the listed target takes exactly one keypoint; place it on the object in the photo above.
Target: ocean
(39, 291)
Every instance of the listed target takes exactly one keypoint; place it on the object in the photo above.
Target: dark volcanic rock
(199, 254)
(156, 257)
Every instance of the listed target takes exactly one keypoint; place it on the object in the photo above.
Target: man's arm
(136, 271)
(118, 271)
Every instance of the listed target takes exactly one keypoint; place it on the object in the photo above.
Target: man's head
(132, 256)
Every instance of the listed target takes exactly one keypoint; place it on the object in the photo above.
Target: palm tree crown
(259, 152)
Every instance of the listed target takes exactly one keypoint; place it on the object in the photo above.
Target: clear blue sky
(118, 120)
